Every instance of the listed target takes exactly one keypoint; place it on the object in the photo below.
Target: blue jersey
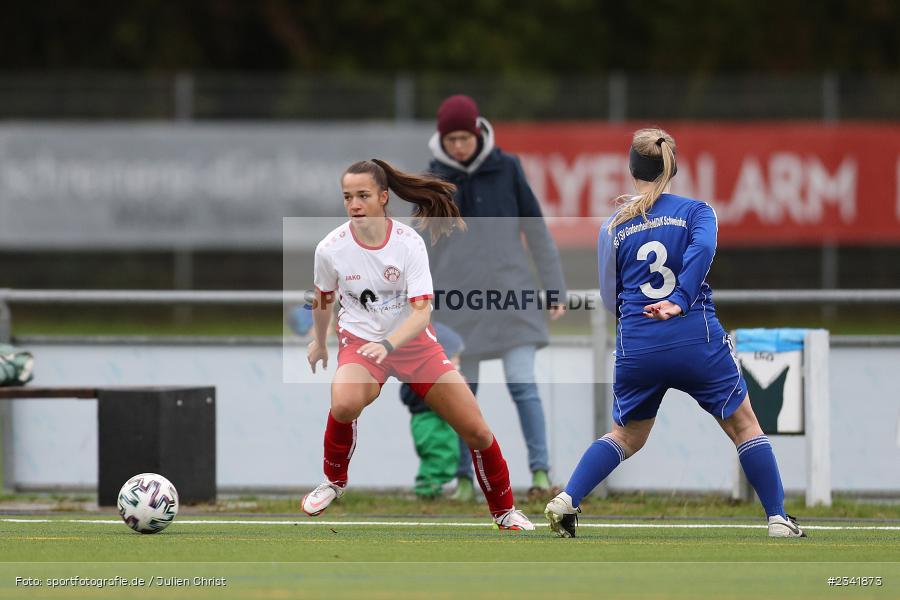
(666, 257)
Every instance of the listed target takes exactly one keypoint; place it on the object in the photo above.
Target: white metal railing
(275, 297)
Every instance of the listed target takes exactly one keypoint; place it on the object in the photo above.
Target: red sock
(493, 477)
(340, 442)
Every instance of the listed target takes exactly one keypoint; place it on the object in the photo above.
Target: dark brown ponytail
(433, 197)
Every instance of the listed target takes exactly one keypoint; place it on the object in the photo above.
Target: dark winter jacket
(498, 206)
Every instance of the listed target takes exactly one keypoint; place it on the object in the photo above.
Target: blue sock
(759, 465)
(595, 465)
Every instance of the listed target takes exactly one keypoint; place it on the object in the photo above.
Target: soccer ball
(148, 503)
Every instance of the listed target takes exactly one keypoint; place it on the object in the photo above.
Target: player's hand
(556, 311)
(315, 353)
(662, 310)
(374, 351)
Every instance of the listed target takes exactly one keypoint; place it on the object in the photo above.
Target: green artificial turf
(301, 557)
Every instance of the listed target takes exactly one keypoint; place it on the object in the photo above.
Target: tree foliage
(473, 36)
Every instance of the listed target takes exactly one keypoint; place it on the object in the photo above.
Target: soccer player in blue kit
(655, 253)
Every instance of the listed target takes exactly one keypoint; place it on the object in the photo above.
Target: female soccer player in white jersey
(654, 254)
(379, 268)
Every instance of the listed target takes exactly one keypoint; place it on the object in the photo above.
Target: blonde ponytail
(652, 143)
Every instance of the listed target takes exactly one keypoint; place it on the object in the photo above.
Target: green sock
(540, 479)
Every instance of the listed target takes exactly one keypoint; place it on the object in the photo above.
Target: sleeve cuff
(680, 300)
(422, 297)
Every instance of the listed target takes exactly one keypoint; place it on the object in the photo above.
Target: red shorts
(419, 362)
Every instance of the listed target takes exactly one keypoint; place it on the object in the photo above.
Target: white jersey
(376, 283)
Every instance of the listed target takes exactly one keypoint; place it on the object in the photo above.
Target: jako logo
(352, 277)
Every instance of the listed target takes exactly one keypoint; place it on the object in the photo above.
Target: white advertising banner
(155, 186)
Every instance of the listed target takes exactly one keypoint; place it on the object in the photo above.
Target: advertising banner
(771, 183)
(168, 186)
(196, 186)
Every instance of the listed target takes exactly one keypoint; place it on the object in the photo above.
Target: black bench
(165, 430)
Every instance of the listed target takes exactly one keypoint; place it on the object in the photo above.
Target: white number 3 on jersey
(657, 266)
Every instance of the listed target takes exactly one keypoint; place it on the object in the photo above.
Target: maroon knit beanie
(457, 113)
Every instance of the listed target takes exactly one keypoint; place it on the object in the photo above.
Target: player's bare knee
(632, 446)
(630, 442)
(742, 425)
(346, 408)
(478, 438)
(343, 413)
(745, 432)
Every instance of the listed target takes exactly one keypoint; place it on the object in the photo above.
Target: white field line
(458, 524)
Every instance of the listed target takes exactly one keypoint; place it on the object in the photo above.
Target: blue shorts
(708, 371)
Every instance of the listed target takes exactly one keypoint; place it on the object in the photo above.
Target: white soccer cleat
(562, 515)
(315, 502)
(781, 527)
(514, 520)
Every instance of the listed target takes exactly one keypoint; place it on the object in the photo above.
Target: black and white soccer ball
(148, 503)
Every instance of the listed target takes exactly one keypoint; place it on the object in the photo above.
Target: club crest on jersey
(392, 274)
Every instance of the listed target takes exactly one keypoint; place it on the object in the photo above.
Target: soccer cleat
(315, 502)
(784, 527)
(514, 520)
(562, 515)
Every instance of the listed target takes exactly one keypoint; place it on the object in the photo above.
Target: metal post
(7, 482)
(5, 323)
(7, 479)
(618, 97)
(817, 417)
(404, 97)
(183, 280)
(829, 276)
(741, 490)
(830, 97)
(184, 97)
(601, 347)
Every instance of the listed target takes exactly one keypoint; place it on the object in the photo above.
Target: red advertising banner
(771, 183)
